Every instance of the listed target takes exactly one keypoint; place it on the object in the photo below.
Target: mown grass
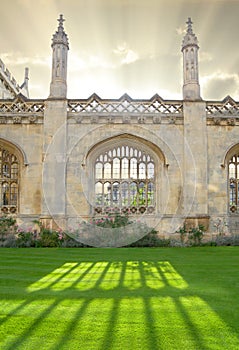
(129, 298)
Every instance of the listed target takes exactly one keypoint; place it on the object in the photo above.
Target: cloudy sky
(123, 46)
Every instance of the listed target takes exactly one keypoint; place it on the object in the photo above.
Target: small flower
(60, 236)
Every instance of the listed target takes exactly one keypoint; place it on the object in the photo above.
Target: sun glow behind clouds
(119, 47)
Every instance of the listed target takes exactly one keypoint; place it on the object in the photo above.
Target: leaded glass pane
(133, 194)
(98, 170)
(107, 171)
(150, 193)
(13, 194)
(115, 193)
(142, 171)
(133, 168)
(125, 168)
(107, 194)
(125, 194)
(98, 194)
(150, 169)
(116, 168)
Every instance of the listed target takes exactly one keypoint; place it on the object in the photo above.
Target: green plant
(7, 231)
(183, 233)
(196, 234)
(25, 239)
(112, 221)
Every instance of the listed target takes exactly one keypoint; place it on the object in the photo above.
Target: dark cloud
(219, 87)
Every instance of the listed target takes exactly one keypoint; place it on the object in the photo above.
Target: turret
(60, 47)
(191, 87)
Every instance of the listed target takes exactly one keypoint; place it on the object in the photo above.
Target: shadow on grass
(136, 304)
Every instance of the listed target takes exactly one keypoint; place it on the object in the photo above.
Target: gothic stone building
(164, 161)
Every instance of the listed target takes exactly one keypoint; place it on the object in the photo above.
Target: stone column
(195, 160)
(55, 134)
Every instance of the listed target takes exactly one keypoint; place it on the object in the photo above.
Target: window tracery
(124, 180)
(9, 181)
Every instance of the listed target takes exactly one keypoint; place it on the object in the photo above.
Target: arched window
(9, 181)
(124, 178)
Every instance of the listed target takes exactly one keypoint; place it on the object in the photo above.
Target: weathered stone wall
(28, 138)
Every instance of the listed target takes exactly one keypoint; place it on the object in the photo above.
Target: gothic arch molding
(231, 164)
(11, 160)
(14, 147)
(131, 139)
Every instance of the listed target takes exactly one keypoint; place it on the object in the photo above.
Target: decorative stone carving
(78, 120)
(231, 121)
(126, 119)
(141, 120)
(217, 121)
(157, 119)
(172, 120)
(17, 120)
(94, 119)
(110, 120)
(32, 119)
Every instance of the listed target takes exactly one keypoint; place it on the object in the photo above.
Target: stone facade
(57, 142)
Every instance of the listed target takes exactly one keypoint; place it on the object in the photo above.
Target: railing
(125, 104)
(226, 107)
(19, 106)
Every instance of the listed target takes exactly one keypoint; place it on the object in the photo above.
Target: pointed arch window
(9, 181)
(124, 177)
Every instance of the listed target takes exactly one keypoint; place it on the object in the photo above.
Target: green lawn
(127, 298)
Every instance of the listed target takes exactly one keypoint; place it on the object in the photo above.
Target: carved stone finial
(60, 36)
(61, 20)
(189, 38)
(189, 23)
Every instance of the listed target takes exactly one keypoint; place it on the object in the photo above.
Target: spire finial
(189, 23)
(61, 20)
(60, 36)
(189, 38)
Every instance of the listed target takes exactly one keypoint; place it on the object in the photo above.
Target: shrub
(191, 236)
(8, 230)
(151, 240)
(227, 240)
(68, 242)
(26, 239)
(9, 241)
(112, 221)
(196, 234)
